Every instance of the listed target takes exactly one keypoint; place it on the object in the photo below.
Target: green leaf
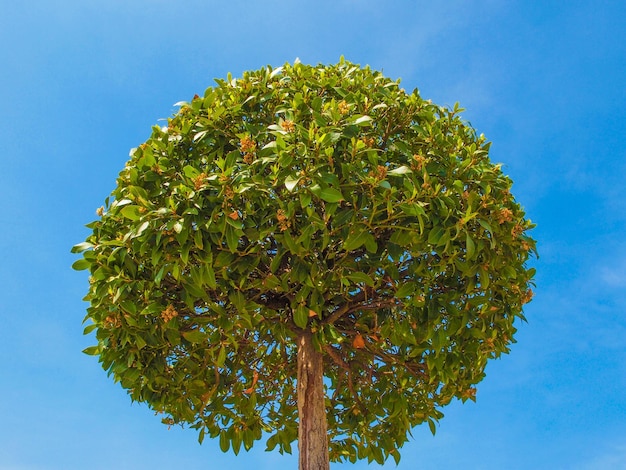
(236, 442)
(469, 246)
(184, 254)
(485, 225)
(361, 278)
(330, 195)
(122, 202)
(330, 179)
(188, 170)
(412, 209)
(484, 278)
(197, 240)
(432, 426)
(142, 228)
(351, 131)
(199, 136)
(509, 272)
(81, 265)
(276, 260)
(355, 239)
(194, 336)
(159, 276)
(232, 239)
(92, 350)
(140, 342)
(276, 71)
(82, 247)
(362, 121)
(301, 316)
(305, 199)
(402, 237)
(402, 170)
(272, 442)
(370, 244)
(238, 300)
(131, 212)
(195, 291)
(405, 290)
(224, 441)
(221, 357)
(290, 243)
(208, 276)
(291, 182)
(435, 235)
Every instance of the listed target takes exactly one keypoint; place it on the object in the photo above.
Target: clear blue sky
(81, 82)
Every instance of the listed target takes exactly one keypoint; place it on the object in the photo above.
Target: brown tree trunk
(312, 429)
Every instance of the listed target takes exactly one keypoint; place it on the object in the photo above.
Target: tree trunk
(312, 429)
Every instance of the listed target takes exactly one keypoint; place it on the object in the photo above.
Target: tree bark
(312, 428)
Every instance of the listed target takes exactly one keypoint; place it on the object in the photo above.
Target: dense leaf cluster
(319, 197)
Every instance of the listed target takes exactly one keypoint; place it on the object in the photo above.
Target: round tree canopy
(307, 198)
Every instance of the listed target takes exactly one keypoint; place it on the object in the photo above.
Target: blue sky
(82, 82)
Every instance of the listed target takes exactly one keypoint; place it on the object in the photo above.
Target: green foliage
(319, 197)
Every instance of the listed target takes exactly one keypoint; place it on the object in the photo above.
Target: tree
(308, 252)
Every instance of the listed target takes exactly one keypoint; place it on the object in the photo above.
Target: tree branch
(336, 357)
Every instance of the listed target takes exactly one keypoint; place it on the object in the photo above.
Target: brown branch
(335, 356)
(337, 314)
(353, 392)
(390, 359)
(269, 299)
(337, 359)
(375, 305)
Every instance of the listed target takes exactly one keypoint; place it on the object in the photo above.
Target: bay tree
(307, 253)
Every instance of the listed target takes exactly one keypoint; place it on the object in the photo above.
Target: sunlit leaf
(291, 182)
(81, 264)
(92, 350)
(80, 247)
(131, 212)
(401, 170)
